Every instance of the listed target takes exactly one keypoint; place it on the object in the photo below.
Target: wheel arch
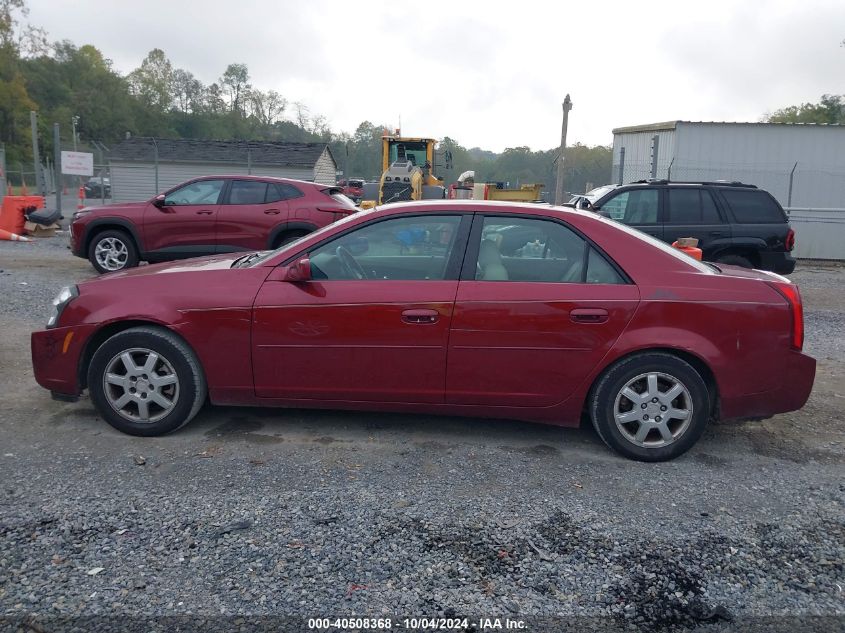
(105, 332)
(287, 227)
(696, 361)
(105, 224)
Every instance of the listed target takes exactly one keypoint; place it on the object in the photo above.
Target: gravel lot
(254, 512)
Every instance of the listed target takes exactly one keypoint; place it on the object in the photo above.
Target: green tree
(235, 83)
(151, 83)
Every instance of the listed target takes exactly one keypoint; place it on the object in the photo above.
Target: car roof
(259, 178)
(472, 206)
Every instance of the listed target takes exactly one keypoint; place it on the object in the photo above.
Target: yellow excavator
(407, 172)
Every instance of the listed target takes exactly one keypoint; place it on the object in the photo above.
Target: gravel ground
(252, 512)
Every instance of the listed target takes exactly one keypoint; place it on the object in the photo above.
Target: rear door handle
(420, 317)
(715, 233)
(204, 212)
(272, 212)
(588, 315)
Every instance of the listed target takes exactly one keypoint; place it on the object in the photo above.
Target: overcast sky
(489, 74)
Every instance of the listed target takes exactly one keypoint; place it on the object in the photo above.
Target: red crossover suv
(457, 307)
(204, 216)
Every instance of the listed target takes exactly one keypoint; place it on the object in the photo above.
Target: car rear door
(378, 338)
(250, 211)
(184, 225)
(532, 320)
(692, 212)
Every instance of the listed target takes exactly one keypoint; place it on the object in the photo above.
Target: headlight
(65, 296)
(80, 213)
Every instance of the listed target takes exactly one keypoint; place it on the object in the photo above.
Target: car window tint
(411, 248)
(287, 191)
(247, 192)
(635, 206)
(199, 192)
(517, 249)
(691, 206)
(751, 207)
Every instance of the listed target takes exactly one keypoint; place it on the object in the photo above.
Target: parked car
(204, 216)
(424, 307)
(734, 223)
(353, 188)
(97, 187)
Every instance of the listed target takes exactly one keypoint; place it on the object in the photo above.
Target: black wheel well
(751, 254)
(100, 228)
(281, 235)
(106, 332)
(697, 363)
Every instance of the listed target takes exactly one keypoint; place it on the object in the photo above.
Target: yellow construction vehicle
(467, 189)
(407, 172)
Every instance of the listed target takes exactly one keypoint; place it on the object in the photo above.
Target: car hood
(122, 207)
(195, 265)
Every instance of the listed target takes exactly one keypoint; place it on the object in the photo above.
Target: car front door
(373, 322)
(692, 212)
(638, 208)
(184, 225)
(250, 211)
(536, 310)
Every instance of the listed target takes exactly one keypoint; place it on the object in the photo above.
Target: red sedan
(464, 308)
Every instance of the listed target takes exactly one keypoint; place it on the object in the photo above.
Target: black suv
(735, 223)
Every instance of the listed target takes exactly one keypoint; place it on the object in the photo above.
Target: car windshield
(258, 261)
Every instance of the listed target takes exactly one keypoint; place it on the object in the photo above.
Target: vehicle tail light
(790, 292)
(790, 240)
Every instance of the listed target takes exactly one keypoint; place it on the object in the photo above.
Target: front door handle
(272, 212)
(588, 315)
(204, 212)
(420, 317)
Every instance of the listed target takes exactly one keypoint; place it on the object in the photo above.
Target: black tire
(130, 260)
(735, 260)
(190, 380)
(288, 237)
(603, 405)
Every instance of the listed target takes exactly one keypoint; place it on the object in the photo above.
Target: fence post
(248, 160)
(669, 170)
(621, 165)
(155, 149)
(57, 166)
(36, 158)
(4, 181)
(791, 178)
(655, 148)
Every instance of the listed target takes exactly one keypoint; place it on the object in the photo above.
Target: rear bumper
(798, 372)
(55, 358)
(781, 263)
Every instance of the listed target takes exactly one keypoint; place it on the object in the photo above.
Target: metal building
(142, 167)
(802, 165)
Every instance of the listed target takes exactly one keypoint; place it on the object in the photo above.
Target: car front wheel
(112, 250)
(146, 381)
(650, 407)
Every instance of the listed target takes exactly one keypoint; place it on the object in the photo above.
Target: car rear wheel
(735, 260)
(650, 407)
(146, 381)
(112, 250)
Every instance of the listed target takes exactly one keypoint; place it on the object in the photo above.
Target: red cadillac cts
(464, 308)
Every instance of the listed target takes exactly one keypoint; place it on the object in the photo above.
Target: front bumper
(55, 358)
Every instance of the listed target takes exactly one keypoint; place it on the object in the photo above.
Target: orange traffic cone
(81, 198)
(12, 237)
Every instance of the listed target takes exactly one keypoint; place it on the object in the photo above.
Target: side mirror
(299, 271)
(158, 201)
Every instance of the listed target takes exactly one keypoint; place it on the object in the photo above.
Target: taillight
(790, 240)
(793, 297)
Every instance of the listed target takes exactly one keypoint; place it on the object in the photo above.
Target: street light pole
(74, 119)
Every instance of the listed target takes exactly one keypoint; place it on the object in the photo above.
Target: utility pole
(559, 188)
(74, 120)
(57, 165)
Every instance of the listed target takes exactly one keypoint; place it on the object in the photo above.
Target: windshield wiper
(243, 260)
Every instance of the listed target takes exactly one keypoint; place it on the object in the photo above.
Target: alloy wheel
(111, 253)
(141, 385)
(653, 410)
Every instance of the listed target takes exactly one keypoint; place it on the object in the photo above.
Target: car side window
(282, 191)
(753, 206)
(198, 192)
(635, 206)
(523, 249)
(692, 206)
(409, 248)
(247, 192)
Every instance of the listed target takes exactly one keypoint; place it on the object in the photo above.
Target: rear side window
(753, 207)
(692, 206)
(636, 206)
(282, 191)
(247, 192)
